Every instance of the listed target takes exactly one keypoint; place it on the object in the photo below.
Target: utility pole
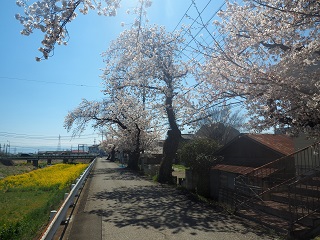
(8, 146)
(59, 144)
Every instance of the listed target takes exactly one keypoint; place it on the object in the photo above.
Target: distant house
(186, 137)
(94, 149)
(154, 156)
(244, 154)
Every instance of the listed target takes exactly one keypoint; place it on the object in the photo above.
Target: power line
(183, 16)
(49, 82)
(204, 26)
(182, 51)
(43, 137)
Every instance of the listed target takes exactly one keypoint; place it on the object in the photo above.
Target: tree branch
(275, 45)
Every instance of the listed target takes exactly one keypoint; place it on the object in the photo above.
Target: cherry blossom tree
(123, 117)
(145, 62)
(126, 141)
(268, 58)
(52, 17)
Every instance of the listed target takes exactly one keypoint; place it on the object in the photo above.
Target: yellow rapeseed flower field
(57, 176)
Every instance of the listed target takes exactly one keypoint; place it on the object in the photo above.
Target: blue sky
(36, 96)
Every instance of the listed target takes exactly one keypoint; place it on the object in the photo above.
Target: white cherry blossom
(269, 58)
(52, 17)
(133, 129)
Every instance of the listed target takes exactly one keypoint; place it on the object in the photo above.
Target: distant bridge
(7, 160)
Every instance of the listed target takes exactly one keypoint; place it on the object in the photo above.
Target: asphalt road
(117, 205)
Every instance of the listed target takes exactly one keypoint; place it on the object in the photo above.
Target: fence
(297, 175)
(62, 212)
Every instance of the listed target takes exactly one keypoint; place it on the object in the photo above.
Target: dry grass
(15, 169)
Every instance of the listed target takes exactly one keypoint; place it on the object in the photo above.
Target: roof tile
(280, 143)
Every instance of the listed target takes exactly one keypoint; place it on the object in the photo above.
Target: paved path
(117, 205)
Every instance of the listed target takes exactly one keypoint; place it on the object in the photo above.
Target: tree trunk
(170, 148)
(133, 160)
(113, 155)
(134, 156)
(171, 143)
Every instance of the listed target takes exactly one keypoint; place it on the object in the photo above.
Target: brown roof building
(249, 151)
(245, 153)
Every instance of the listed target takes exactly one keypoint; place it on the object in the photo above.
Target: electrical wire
(43, 137)
(49, 82)
(185, 14)
(204, 25)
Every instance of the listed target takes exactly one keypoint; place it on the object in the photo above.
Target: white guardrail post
(60, 216)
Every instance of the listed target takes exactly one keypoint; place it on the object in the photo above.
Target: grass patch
(155, 178)
(24, 213)
(178, 167)
(14, 205)
(27, 199)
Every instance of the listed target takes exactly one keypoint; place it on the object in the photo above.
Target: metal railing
(60, 216)
(292, 174)
(304, 196)
(52, 156)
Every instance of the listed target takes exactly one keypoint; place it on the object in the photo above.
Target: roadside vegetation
(179, 167)
(27, 199)
(6, 171)
(198, 156)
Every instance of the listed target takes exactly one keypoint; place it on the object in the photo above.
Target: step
(281, 210)
(307, 190)
(280, 225)
(274, 208)
(312, 174)
(312, 220)
(300, 200)
(314, 181)
(316, 230)
(308, 232)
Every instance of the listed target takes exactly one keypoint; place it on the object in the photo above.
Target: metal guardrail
(43, 157)
(61, 214)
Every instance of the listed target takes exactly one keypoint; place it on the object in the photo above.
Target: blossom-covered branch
(51, 17)
(270, 54)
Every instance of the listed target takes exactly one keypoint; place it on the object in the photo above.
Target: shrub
(198, 154)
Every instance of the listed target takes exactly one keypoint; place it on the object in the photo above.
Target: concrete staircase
(291, 208)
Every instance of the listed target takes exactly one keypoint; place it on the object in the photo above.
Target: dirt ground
(14, 170)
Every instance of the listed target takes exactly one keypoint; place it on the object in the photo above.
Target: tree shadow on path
(162, 207)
